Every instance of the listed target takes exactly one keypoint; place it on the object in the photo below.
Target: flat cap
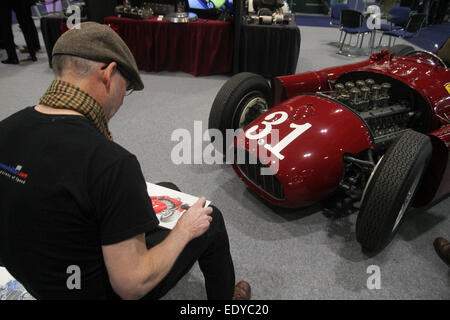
(98, 42)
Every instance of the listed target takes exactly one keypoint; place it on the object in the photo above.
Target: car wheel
(390, 190)
(401, 49)
(241, 100)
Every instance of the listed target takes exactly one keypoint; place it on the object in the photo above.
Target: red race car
(376, 133)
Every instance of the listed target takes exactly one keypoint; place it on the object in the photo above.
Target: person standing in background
(23, 14)
(33, 33)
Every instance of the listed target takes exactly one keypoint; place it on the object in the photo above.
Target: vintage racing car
(376, 132)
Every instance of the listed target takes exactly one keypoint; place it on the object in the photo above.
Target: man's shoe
(11, 61)
(442, 247)
(242, 291)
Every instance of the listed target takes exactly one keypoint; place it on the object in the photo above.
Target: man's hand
(134, 270)
(196, 220)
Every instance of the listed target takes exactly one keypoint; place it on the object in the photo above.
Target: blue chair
(398, 18)
(353, 23)
(412, 28)
(357, 5)
(335, 18)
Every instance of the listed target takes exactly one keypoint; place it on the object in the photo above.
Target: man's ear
(107, 73)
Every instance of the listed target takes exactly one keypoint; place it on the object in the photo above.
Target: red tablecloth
(202, 47)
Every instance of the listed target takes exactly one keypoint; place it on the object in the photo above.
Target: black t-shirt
(65, 190)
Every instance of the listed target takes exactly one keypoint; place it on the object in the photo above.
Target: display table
(201, 48)
(269, 50)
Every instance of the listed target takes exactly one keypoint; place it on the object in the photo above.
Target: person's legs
(32, 31)
(6, 30)
(216, 263)
(23, 15)
(211, 250)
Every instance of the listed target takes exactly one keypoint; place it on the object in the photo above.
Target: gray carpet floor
(303, 254)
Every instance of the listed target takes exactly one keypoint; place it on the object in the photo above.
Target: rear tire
(391, 190)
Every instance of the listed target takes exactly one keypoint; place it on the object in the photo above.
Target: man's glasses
(129, 91)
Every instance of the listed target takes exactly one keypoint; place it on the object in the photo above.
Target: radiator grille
(251, 169)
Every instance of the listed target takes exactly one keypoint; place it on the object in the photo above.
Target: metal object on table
(181, 17)
(265, 20)
(287, 18)
(251, 18)
(278, 18)
(134, 12)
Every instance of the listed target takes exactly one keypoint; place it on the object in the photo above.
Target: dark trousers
(28, 24)
(211, 250)
(23, 15)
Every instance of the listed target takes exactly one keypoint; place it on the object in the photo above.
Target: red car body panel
(313, 163)
(336, 130)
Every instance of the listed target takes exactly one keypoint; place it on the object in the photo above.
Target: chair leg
(342, 43)
(394, 41)
(340, 36)
(36, 11)
(372, 40)
(362, 40)
(389, 41)
(381, 38)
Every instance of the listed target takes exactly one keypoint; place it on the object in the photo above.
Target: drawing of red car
(374, 133)
(166, 206)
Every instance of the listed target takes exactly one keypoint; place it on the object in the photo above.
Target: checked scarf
(63, 95)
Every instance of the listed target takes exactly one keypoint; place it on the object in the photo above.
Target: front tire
(241, 99)
(391, 189)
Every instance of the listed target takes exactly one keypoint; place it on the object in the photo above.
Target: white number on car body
(268, 123)
(249, 133)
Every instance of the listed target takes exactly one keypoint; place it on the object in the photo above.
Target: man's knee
(217, 217)
(217, 230)
(169, 185)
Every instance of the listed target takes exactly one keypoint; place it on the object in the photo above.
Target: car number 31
(269, 122)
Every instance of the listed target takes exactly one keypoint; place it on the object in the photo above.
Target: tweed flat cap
(98, 42)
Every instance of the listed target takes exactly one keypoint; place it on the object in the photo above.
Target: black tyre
(241, 99)
(401, 49)
(390, 190)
